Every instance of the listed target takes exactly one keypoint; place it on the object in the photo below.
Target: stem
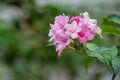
(113, 76)
(80, 48)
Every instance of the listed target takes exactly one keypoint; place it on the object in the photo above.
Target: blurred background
(24, 53)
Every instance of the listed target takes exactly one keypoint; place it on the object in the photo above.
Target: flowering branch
(77, 31)
(65, 31)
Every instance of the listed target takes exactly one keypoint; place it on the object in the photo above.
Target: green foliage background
(24, 53)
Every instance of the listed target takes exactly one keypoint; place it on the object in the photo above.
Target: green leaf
(118, 47)
(110, 30)
(91, 46)
(89, 61)
(103, 53)
(108, 56)
(77, 45)
(116, 66)
(50, 44)
(114, 18)
(110, 53)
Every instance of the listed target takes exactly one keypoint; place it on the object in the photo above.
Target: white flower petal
(74, 35)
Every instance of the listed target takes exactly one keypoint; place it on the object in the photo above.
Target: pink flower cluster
(65, 30)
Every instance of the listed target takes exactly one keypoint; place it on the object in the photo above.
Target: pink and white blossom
(76, 18)
(72, 30)
(57, 33)
(65, 31)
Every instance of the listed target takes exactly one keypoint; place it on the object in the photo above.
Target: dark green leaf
(50, 44)
(116, 66)
(104, 54)
(91, 46)
(89, 61)
(114, 18)
(77, 45)
(110, 30)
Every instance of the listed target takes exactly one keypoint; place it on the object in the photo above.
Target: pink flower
(72, 30)
(89, 29)
(96, 30)
(76, 18)
(61, 46)
(89, 22)
(85, 34)
(57, 33)
(65, 31)
(61, 20)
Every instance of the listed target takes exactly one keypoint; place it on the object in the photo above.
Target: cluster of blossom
(65, 30)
